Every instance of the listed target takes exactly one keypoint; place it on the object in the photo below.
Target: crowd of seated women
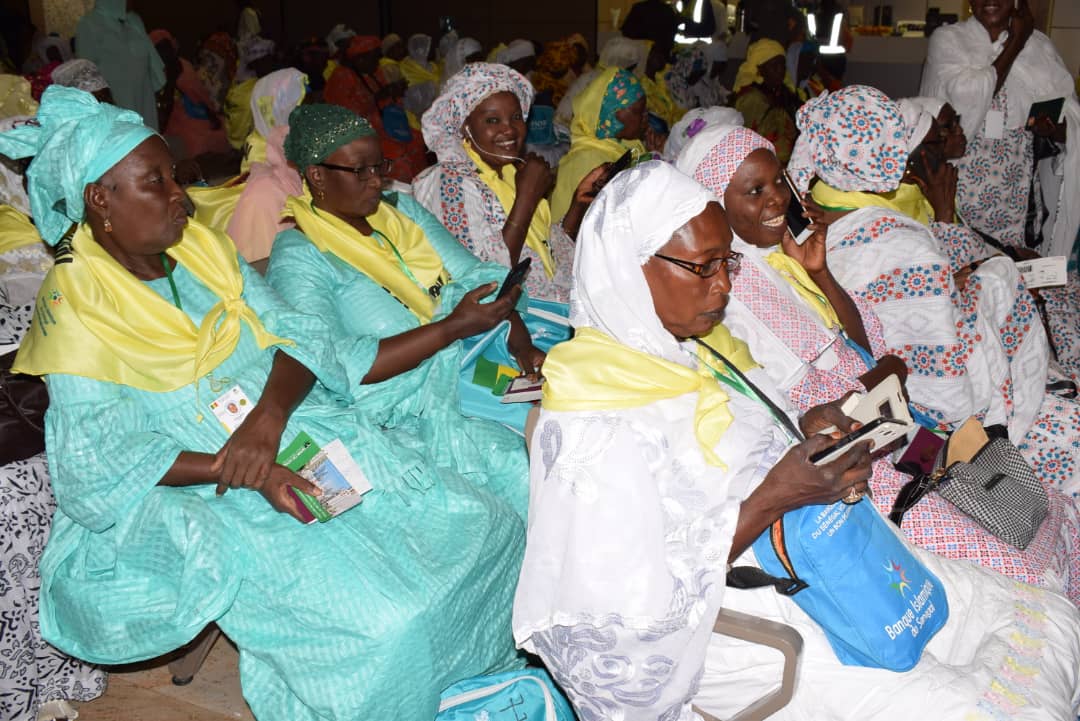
(384, 206)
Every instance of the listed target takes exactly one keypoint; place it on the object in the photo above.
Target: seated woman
(190, 113)
(272, 99)
(609, 119)
(420, 291)
(702, 471)
(801, 324)
(38, 681)
(973, 347)
(766, 97)
(493, 206)
(147, 546)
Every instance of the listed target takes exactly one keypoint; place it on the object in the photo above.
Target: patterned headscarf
(443, 121)
(556, 57)
(715, 153)
(361, 44)
(623, 91)
(757, 54)
(316, 131)
(74, 142)
(80, 73)
(854, 139)
(694, 122)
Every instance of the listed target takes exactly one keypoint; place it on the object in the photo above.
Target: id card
(231, 408)
(995, 125)
(1044, 272)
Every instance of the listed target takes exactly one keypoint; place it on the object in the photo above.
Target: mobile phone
(515, 277)
(921, 167)
(795, 220)
(880, 432)
(614, 169)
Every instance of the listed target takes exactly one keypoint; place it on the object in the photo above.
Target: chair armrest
(761, 631)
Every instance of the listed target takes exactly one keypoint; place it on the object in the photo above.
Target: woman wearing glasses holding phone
(399, 291)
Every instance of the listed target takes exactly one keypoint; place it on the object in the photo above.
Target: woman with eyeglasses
(176, 510)
(817, 343)
(399, 292)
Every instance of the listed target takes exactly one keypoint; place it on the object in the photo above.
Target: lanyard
(735, 378)
(400, 261)
(172, 283)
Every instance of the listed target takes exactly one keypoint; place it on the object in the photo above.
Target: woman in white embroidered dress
(643, 491)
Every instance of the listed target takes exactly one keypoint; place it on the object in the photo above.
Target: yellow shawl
(16, 230)
(215, 205)
(505, 190)
(97, 320)
(415, 73)
(907, 199)
(586, 150)
(658, 98)
(595, 372)
(403, 251)
(797, 277)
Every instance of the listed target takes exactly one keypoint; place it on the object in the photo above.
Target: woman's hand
(654, 141)
(591, 184)
(247, 457)
(1045, 127)
(530, 359)
(276, 490)
(828, 415)
(471, 316)
(939, 187)
(795, 482)
(811, 254)
(533, 180)
(1021, 24)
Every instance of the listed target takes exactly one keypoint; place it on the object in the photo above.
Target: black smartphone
(795, 220)
(515, 277)
(920, 166)
(615, 168)
(879, 431)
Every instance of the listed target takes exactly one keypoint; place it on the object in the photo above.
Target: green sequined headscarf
(316, 131)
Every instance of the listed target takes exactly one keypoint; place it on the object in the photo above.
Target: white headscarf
(419, 48)
(693, 123)
(917, 120)
(455, 59)
(335, 36)
(930, 105)
(516, 50)
(275, 96)
(632, 217)
(11, 181)
(622, 52)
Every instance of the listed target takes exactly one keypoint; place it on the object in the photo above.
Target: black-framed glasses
(729, 262)
(363, 171)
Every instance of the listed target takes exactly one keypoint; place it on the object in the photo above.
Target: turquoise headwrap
(623, 91)
(74, 141)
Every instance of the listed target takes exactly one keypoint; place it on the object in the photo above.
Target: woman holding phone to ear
(486, 191)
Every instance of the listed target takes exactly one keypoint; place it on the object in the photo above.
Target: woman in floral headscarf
(609, 119)
(802, 326)
(968, 332)
(552, 69)
(766, 97)
(485, 191)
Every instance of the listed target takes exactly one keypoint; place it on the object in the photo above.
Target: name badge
(995, 125)
(231, 408)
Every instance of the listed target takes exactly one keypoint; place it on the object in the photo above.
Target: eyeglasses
(363, 171)
(729, 262)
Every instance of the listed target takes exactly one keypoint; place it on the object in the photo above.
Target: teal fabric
(116, 41)
(75, 141)
(424, 401)
(368, 616)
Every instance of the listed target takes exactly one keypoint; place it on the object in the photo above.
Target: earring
(108, 225)
(321, 193)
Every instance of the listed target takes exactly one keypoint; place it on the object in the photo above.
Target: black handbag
(23, 400)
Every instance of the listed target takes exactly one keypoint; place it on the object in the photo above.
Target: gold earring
(322, 193)
(108, 225)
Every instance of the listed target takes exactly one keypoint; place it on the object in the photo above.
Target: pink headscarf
(715, 153)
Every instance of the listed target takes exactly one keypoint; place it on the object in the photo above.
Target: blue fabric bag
(850, 571)
(547, 323)
(541, 127)
(511, 696)
(396, 123)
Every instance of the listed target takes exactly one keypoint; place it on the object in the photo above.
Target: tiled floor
(149, 694)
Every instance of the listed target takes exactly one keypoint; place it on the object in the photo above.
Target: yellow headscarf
(389, 261)
(595, 372)
(16, 230)
(659, 99)
(97, 320)
(15, 97)
(757, 53)
(505, 190)
(586, 150)
(907, 199)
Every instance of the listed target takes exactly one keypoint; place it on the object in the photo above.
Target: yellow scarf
(595, 372)
(506, 191)
(254, 150)
(95, 319)
(658, 98)
(907, 199)
(215, 204)
(797, 277)
(415, 73)
(16, 230)
(375, 257)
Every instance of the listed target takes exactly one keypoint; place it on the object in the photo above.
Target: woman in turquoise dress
(399, 292)
(166, 522)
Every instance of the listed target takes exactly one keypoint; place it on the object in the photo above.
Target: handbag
(526, 694)
(856, 577)
(984, 475)
(23, 400)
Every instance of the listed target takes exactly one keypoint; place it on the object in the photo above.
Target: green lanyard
(400, 261)
(172, 283)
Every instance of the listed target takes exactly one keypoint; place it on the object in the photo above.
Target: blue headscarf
(74, 140)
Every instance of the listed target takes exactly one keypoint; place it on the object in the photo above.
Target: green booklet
(331, 468)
